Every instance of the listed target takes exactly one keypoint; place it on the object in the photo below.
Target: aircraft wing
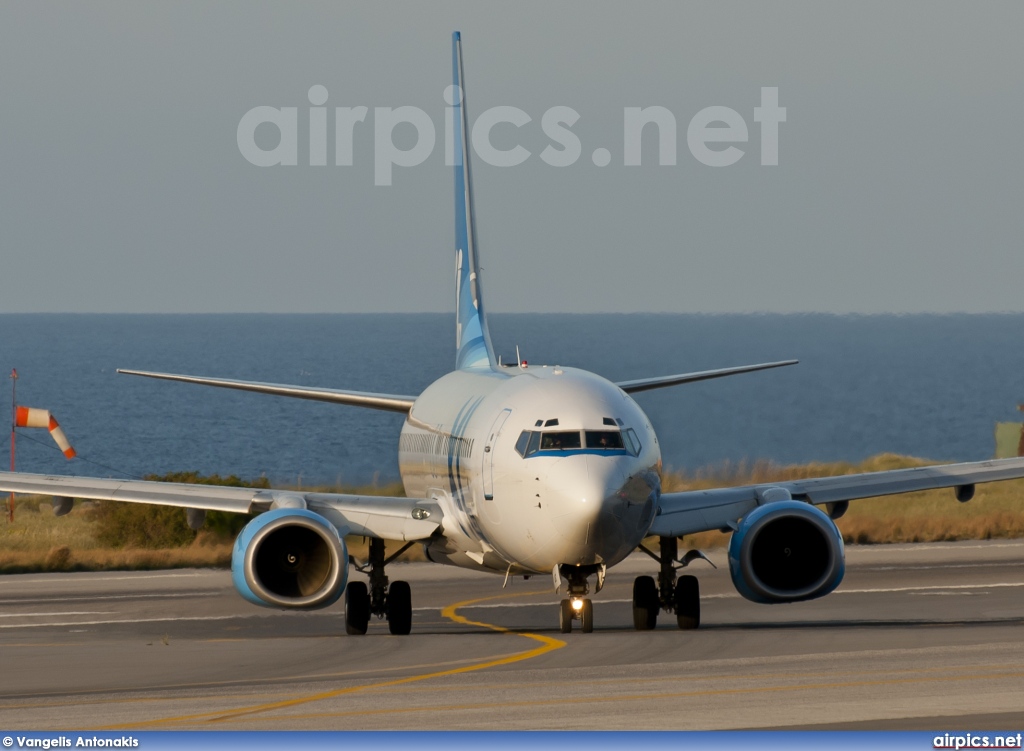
(389, 518)
(388, 402)
(702, 510)
(660, 382)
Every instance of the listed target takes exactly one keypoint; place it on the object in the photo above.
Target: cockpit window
(522, 443)
(534, 446)
(531, 442)
(632, 442)
(560, 441)
(604, 439)
(528, 443)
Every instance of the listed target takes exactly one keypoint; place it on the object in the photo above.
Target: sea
(931, 386)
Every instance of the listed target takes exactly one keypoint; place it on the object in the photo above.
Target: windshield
(531, 442)
(560, 441)
(604, 439)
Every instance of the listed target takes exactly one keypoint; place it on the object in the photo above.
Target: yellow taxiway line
(547, 644)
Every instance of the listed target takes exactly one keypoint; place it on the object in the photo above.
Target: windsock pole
(14, 412)
(30, 417)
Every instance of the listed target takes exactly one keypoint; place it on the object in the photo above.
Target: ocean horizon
(927, 385)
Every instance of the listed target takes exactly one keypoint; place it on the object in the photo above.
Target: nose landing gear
(577, 607)
(393, 601)
(681, 596)
(581, 609)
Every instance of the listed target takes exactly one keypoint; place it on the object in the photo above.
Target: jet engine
(290, 558)
(786, 551)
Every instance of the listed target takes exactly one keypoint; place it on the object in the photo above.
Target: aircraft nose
(581, 486)
(593, 508)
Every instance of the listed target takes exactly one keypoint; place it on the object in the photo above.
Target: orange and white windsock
(29, 417)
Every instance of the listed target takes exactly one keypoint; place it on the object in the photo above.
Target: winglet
(472, 340)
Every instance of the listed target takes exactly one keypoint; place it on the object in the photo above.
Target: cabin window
(604, 439)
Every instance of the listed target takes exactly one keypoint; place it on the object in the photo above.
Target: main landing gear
(681, 596)
(393, 601)
(577, 607)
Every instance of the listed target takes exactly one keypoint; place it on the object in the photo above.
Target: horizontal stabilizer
(646, 384)
(388, 402)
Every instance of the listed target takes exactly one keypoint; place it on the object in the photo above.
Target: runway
(917, 637)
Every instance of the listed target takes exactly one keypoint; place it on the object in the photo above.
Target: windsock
(28, 417)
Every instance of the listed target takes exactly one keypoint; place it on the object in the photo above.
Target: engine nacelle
(785, 552)
(290, 558)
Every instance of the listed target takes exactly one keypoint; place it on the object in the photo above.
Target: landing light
(420, 513)
(577, 604)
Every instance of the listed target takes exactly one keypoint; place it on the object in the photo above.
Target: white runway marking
(68, 612)
(1007, 564)
(925, 588)
(89, 579)
(947, 593)
(37, 600)
(731, 595)
(150, 620)
(919, 548)
(944, 589)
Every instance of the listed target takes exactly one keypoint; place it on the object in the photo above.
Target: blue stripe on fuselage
(576, 452)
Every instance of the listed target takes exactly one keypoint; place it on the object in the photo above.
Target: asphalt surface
(917, 637)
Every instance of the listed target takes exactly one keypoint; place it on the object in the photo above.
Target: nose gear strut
(577, 607)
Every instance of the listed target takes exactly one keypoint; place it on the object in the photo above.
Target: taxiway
(917, 636)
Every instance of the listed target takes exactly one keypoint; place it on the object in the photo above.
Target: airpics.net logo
(715, 136)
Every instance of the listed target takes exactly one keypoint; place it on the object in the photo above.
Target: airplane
(521, 470)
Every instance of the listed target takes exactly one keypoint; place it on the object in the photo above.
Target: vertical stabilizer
(472, 341)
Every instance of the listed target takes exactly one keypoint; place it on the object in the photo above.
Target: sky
(898, 187)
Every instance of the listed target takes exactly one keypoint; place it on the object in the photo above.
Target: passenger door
(488, 465)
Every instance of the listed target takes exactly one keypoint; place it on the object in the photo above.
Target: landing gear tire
(587, 617)
(399, 608)
(565, 617)
(687, 602)
(645, 603)
(357, 608)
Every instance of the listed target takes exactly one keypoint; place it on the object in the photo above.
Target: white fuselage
(583, 495)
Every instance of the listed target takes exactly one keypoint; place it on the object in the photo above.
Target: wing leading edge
(389, 518)
(660, 382)
(702, 510)
(387, 402)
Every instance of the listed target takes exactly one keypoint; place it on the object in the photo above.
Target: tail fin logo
(471, 337)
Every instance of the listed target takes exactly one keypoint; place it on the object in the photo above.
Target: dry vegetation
(38, 541)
